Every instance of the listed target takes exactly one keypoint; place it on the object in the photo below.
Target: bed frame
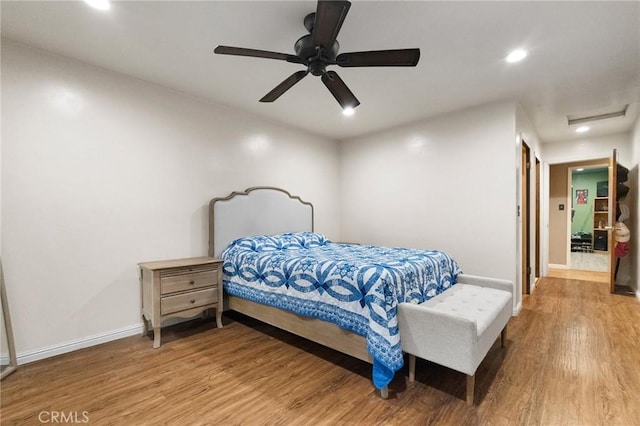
(268, 210)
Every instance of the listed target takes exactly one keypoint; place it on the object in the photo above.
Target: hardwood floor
(572, 358)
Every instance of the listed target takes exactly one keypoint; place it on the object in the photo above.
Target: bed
(344, 296)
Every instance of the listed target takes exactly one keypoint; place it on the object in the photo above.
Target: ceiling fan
(319, 48)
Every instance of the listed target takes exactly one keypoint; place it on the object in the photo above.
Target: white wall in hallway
(588, 148)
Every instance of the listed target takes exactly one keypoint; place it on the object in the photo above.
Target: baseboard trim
(517, 309)
(554, 266)
(74, 345)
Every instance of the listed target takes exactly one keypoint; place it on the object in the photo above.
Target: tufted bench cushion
(457, 327)
(477, 304)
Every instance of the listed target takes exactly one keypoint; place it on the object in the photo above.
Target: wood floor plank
(572, 357)
(579, 274)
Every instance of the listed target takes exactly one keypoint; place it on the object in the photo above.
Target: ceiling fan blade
(380, 58)
(254, 53)
(339, 90)
(284, 86)
(329, 18)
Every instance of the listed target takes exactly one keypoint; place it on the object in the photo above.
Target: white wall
(101, 171)
(525, 131)
(588, 148)
(448, 183)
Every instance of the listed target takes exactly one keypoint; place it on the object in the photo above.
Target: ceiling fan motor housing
(317, 60)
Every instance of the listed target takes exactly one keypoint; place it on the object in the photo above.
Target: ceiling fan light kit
(319, 49)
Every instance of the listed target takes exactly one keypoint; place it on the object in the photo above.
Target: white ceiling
(584, 57)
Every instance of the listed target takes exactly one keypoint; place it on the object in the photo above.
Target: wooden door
(611, 242)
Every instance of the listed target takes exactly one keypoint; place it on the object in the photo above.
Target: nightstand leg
(156, 337)
(219, 318)
(145, 331)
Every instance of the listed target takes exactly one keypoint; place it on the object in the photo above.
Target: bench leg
(384, 392)
(471, 383)
(503, 336)
(412, 367)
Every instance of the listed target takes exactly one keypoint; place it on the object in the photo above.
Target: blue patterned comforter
(355, 287)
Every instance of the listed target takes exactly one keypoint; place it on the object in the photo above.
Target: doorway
(588, 191)
(563, 198)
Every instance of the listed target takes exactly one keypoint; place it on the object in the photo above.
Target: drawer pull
(193, 300)
(192, 282)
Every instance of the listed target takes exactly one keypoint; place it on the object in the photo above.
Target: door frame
(525, 207)
(546, 191)
(537, 236)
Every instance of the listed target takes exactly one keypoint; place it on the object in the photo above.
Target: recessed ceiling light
(348, 111)
(98, 4)
(579, 170)
(582, 129)
(516, 56)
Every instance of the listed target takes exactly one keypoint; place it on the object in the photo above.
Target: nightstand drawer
(188, 281)
(184, 301)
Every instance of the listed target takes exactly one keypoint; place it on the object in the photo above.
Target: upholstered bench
(457, 328)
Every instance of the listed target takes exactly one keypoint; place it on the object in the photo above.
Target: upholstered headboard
(260, 210)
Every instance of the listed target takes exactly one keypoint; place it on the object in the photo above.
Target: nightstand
(179, 288)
